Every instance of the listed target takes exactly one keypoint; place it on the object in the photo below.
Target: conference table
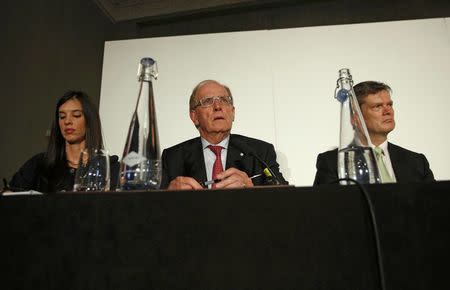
(255, 238)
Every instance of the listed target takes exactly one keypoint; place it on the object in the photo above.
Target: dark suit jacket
(408, 166)
(186, 159)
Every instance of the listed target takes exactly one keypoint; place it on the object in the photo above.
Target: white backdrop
(283, 83)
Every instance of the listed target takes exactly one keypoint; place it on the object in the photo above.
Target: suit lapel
(396, 162)
(236, 158)
(194, 161)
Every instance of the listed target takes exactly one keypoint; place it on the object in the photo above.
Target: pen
(209, 182)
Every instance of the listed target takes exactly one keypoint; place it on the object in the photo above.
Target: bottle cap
(147, 69)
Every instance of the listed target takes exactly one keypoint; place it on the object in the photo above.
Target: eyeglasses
(209, 101)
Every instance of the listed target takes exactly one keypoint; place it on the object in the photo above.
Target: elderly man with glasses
(217, 159)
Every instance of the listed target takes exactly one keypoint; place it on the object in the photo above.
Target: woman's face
(71, 121)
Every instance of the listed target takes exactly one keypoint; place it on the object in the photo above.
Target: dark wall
(281, 14)
(48, 47)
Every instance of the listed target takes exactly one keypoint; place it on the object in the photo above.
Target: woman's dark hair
(56, 150)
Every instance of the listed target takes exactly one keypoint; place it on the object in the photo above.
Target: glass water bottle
(356, 159)
(140, 167)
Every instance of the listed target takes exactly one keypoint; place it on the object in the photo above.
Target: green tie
(384, 173)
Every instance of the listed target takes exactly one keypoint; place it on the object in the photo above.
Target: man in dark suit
(190, 163)
(402, 165)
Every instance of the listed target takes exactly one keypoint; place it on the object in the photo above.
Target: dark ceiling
(125, 10)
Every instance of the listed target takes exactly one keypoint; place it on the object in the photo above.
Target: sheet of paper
(29, 192)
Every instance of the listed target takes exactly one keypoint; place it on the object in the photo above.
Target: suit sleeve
(326, 171)
(164, 175)
(428, 174)
(26, 178)
(271, 157)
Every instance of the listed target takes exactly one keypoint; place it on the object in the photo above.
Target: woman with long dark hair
(76, 126)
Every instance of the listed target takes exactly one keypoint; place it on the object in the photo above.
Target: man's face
(378, 113)
(218, 117)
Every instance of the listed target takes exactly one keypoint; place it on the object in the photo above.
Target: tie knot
(378, 151)
(216, 149)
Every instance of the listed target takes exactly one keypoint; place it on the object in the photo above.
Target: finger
(231, 171)
(235, 181)
(229, 182)
(184, 183)
(192, 183)
(234, 178)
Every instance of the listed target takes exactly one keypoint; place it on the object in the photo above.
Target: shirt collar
(223, 143)
(383, 146)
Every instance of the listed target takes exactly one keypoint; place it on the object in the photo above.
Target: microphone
(268, 173)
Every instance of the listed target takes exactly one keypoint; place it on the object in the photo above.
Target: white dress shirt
(387, 159)
(210, 157)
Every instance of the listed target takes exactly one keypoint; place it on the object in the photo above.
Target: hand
(233, 178)
(184, 183)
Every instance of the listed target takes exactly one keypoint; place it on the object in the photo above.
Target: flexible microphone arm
(247, 150)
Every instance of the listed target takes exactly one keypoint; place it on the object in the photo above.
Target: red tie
(217, 167)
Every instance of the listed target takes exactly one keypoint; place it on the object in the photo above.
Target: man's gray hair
(193, 101)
